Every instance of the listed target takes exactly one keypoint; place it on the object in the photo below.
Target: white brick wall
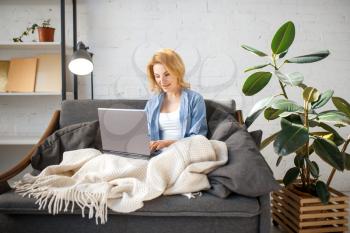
(124, 34)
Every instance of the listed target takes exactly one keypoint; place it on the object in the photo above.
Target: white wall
(123, 34)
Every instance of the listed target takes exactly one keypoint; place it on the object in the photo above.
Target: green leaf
(342, 105)
(256, 82)
(299, 161)
(292, 79)
(334, 117)
(286, 105)
(324, 98)
(283, 38)
(256, 67)
(329, 153)
(291, 175)
(309, 58)
(286, 114)
(295, 119)
(322, 192)
(257, 109)
(317, 169)
(313, 167)
(253, 50)
(283, 54)
(271, 113)
(337, 139)
(302, 85)
(268, 140)
(310, 94)
(279, 160)
(290, 138)
(346, 158)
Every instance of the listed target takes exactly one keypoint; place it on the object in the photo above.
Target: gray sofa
(239, 205)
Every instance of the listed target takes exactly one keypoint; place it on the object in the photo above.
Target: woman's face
(164, 80)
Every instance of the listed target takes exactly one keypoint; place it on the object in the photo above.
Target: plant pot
(46, 34)
(296, 211)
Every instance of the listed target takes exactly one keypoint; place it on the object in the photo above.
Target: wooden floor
(279, 230)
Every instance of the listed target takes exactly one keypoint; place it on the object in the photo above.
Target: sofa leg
(4, 187)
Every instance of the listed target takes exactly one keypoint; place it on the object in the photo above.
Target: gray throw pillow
(246, 171)
(72, 137)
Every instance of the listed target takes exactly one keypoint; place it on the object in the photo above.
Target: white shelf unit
(25, 49)
(28, 93)
(19, 140)
(29, 45)
(69, 94)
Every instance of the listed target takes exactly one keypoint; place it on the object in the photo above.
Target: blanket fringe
(56, 200)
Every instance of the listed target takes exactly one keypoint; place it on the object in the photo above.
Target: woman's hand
(160, 144)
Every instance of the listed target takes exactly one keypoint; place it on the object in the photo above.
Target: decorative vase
(296, 211)
(46, 34)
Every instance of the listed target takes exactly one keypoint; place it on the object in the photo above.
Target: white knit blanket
(96, 181)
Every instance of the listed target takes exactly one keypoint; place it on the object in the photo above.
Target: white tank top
(169, 125)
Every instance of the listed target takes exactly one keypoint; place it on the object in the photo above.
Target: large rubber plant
(307, 129)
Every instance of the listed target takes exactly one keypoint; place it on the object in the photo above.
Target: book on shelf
(48, 76)
(21, 75)
(4, 69)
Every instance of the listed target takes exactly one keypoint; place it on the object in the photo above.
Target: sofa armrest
(22, 164)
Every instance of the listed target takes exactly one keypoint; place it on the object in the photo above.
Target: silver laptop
(124, 132)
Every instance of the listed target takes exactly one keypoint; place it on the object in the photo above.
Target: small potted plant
(306, 203)
(45, 31)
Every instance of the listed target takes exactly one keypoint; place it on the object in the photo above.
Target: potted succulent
(306, 130)
(45, 31)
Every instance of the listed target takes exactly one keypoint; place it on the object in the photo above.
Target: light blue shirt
(192, 114)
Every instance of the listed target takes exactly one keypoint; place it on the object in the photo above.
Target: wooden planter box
(300, 212)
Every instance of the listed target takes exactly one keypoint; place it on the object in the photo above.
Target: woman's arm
(160, 144)
(198, 118)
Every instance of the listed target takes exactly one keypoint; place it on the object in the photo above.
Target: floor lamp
(81, 64)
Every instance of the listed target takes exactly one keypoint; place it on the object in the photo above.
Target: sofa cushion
(175, 205)
(246, 171)
(77, 111)
(72, 137)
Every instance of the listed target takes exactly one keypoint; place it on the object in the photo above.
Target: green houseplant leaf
(309, 58)
(268, 140)
(346, 161)
(337, 139)
(257, 109)
(335, 117)
(292, 79)
(324, 98)
(342, 105)
(286, 105)
(291, 175)
(283, 38)
(256, 67)
(322, 192)
(291, 137)
(256, 82)
(283, 54)
(329, 153)
(253, 50)
(310, 94)
(299, 161)
(279, 160)
(272, 114)
(314, 169)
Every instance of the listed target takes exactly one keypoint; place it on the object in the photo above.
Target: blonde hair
(172, 62)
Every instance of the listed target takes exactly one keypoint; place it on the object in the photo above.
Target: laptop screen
(124, 130)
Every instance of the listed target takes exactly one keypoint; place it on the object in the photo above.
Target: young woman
(175, 111)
